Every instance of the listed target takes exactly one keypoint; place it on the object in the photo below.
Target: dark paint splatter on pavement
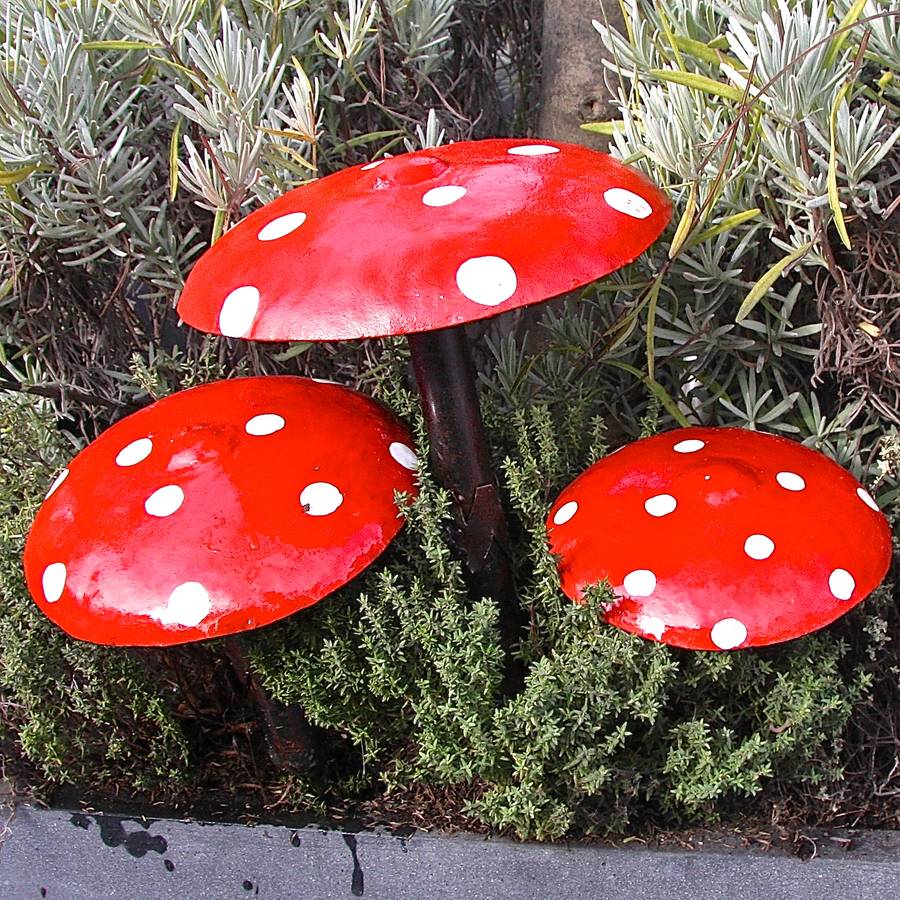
(113, 834)
(357, 887)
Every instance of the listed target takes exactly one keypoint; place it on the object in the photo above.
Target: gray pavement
(69, 856)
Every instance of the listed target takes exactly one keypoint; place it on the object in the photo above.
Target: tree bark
(572, 89)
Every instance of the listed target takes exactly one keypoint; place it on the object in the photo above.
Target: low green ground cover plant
(134, 132)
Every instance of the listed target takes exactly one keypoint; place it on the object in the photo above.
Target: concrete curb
(64, 855)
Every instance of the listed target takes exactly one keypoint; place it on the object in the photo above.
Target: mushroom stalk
(443, 367)
(292, 741)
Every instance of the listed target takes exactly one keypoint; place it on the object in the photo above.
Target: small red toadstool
(421, 244)
(720, 538)
(217, 510)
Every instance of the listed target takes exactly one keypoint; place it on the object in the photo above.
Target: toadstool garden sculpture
(420, 245)
(217, 510)
(720, 538)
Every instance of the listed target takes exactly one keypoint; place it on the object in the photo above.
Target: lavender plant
(774, 128)
(134, 132)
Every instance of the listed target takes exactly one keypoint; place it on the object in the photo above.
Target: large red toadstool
(421, 244)
(424, 241)
(217, 510)
(720, 538)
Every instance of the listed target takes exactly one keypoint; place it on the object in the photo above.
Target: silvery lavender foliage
(133, 132)
(739, 110)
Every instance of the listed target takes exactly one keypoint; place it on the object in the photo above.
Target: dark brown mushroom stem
(444, 373)
(293, 743)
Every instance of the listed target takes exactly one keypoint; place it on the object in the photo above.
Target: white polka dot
(842, 584)
(728, 634)
(267, 423)
(53, 581)
(862, 493)
(443, 196)
(165, 501)
(689, 446)
(532, 150)
(628, 203)
(565, 512)
(790, 481)
(758, 546)
(639, 583)
(660, 505)
(63, 475)
(651, 625)
(320, 498)
(281, 226)
(135, 452)
(239, 311)
(691, 358)
(188, 605)
(404, 455)
(488, 280)
(372, 165)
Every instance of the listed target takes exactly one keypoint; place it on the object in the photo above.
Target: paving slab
(65, 855)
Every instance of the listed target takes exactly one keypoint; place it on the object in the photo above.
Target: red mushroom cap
(424, 241)
(718, 538)
(217, 510)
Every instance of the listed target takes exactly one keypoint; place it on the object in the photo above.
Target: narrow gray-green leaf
(758, 291)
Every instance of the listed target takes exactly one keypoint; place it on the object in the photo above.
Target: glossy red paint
(719, 538)
(186, 520)
(424, 241)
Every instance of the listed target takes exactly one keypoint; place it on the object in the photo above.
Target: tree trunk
(573, 89)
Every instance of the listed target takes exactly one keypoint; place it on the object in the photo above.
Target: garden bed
(750, 312)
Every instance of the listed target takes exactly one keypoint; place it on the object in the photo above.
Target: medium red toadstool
(217, 510)
(720, 538)
(421, 244)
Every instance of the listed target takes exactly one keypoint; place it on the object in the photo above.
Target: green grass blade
(119, 45)
(685, 223)
(652, 300)
(14, 176)
(706, 52)
(173, 158)
(758, 291)
(658, 391)
(843, 32)
(699, 83)
(607, 128)
(834, 200)
(727, 224)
